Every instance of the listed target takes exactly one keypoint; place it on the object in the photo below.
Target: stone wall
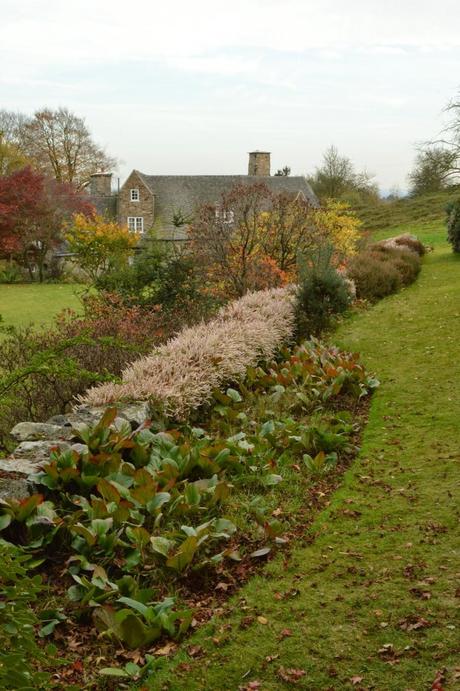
(38, 439)
(145, 207)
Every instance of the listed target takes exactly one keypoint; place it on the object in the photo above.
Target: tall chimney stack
(259, 163)
(100, 184)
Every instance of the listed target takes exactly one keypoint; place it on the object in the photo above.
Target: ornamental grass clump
(181, 375)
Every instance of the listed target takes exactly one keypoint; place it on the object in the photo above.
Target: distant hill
(388, 213)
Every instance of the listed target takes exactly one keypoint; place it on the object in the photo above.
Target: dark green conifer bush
(322, 293)
(453, 225)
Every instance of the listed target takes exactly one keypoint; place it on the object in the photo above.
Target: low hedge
(381, 270)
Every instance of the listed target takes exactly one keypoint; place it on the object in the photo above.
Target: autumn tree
(58, 143)
(253, 237)
(11, 157)
(287, 229)
(33, 211)
(99, 244)
(226, 240)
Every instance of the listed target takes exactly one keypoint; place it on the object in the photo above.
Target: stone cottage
(165, 203)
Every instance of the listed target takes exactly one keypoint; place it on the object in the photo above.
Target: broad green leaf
(234, 395)
(157, 502)
(5, 520)
(134, 604)
(108, 491)
(182, 558)
(162, 545)
(113, 672)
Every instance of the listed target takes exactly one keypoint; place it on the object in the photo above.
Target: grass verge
(369, 600)
(26, 303)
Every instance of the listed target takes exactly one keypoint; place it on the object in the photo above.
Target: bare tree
(11, 124)
(336, 178)
(449, 140)
(57, 142)
(434, 170)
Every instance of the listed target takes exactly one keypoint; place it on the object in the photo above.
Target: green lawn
(26, 303)
(368, 599)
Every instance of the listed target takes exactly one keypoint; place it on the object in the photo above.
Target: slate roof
(182, 193)
(105, 205)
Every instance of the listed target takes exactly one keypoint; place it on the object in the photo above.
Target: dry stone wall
(38, 439)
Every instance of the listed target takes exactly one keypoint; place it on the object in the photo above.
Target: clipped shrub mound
(182, 374)
(382, 270)
(405, 241)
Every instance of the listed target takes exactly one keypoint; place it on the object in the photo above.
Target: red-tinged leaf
(285, 633)
(251, 686)
(28, 505)
(439, 679)
(108, 491)
(107, 419)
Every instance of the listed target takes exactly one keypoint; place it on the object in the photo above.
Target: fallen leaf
(166, 649)
(413, 623)
(420, 593)
(291, 675)
(285, 633)
(438, 680)
(222, 586)
(262, 620)
(195, 651)
(356, 680)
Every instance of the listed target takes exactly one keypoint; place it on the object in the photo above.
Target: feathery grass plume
(182, 374)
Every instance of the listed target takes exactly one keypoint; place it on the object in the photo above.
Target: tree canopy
(57, 142)
(33, 211)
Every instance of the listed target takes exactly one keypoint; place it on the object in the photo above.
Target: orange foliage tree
(253, 237)
(250, 239)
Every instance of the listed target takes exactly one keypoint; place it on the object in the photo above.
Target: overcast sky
(183, 87)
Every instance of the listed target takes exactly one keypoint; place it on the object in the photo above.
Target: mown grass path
(372, 601)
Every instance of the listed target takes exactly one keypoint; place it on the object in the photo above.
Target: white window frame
(224, 216)
(136, 224)
(135, 196)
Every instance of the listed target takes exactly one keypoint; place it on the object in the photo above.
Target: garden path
(371, 601)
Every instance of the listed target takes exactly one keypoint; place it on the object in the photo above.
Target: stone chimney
(259, 163)
(100, 184)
